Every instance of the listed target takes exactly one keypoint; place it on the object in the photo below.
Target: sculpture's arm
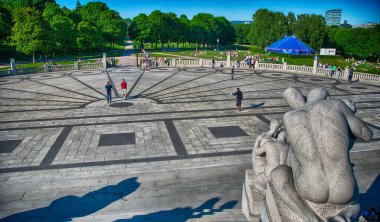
(358, 127)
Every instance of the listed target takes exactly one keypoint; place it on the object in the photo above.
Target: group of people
(108, 87)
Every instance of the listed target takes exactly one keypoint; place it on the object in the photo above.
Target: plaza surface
(176, 150)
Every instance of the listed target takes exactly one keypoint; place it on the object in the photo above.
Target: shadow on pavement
(182, 214)
(372, 197)
(252, 106)
(69, 207)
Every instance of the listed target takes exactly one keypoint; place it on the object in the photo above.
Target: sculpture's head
(317, 94)
(294, 98)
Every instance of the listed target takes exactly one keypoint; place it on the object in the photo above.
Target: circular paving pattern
(121, 104)
(276, 75)
(357, 87)
(317, 80)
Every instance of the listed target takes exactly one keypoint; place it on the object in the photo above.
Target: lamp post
(217, 44)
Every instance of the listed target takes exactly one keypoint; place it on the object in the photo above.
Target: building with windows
(333, 17)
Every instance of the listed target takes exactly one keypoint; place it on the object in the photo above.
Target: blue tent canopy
(290, 45)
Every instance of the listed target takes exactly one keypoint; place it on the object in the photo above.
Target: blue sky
(354, 11)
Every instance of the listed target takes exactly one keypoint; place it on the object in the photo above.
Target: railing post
(256, 64)
(315, 65)
(174, 62)
(284, 65)
(201, 62)
(13, 66)
(104, 61)
(76, 65)
(228, 63)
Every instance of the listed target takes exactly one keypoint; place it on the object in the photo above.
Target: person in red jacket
(123, 86)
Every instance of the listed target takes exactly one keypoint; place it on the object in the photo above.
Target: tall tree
(311, 29)
(30, 32)
(140, 29)
(92, 10)
(63, 32)
(89, 36)
(267, 27)
(242, 32)
(112, 26)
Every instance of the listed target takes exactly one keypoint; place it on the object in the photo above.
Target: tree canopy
(167, 28)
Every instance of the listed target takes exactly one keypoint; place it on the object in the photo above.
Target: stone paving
(176, 150)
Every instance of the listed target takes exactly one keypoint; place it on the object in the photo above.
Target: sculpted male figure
(318, 184)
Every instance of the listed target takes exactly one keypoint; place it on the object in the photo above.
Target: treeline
(166, 28)
(361, 43)
(42, 26)
(268, 27)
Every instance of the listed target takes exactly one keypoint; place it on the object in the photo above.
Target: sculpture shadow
(252, 106)
(68, 207)
(372, 197)
(182, 214)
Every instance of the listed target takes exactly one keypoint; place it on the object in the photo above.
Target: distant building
(345, 25)
(367, 25)
(332, 17)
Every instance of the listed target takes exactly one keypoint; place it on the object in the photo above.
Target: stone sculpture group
(301, 166)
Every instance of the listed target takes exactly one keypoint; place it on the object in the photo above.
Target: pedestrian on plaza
(239, 98)
(123, 86)
(109, 92)
(350, 74)
(213, 62)
(338, 71)
(232, 72)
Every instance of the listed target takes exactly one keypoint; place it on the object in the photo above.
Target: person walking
(232, 72)
(350, 74)
(109, 92)
(213, 63)
(239, 98)
(123, 86)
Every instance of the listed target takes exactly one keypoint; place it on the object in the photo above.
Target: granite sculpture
(301, 166)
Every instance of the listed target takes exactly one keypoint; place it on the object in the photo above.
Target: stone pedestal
(104, 60)
(315, 64)
(228, 63)
(284, 65)
(13, 66)
(251, 200)
(76, 65)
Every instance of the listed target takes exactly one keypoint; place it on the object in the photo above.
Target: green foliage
(30, 32)
(112, 26)
(267, 27)
(242, 33)
(168, 28)
(311, 29)
(358, 42)
(89, 36)
(140, 29)
(63, 33)
(5, 23)
(91, 11)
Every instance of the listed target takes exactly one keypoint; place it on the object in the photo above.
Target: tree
(78, 6)
(311, 29)
(205, 27)
(51, 9)
(89, 36)
(92, 10)
(157, 28)
(291, 23)
(5, 27)
(64, 33)
(267, 27)
(140, 29)
(242, 32)
(184, 29)
(30, 32)
(112, 26)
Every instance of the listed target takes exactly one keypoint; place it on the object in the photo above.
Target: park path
(128, 59)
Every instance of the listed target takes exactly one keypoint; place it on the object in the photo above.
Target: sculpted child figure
(308, 168)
